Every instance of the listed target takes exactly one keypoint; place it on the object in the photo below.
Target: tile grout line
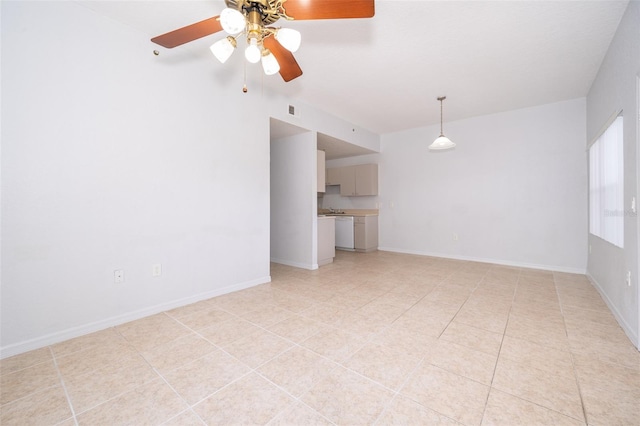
(526, 399)
(64, 387)
(254, 370)
(161, 376)
(504, 332)
(571, 354)
(341, 363)
(422, 360)
(397, 393)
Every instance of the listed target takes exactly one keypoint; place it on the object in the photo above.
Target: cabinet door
(360, 234)
(326, 240)
(366, 179)
(321, 171)
(348, 181)
(333, 176)
(366, 233)
(372, 232)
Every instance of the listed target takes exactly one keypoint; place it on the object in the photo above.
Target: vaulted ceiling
(385, 73)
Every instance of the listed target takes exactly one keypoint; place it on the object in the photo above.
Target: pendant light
(442, 142)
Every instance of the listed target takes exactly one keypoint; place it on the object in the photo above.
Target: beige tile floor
(378, 338)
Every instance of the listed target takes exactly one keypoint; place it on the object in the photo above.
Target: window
(606, 185)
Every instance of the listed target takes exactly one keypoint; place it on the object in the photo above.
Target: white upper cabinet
(360, 180)
(333, 176)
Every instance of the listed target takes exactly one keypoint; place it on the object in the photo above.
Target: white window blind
(606, 185)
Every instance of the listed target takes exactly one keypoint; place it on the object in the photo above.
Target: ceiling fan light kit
(442, 142)
(289, 39)
(232, 21)
(272, 46)
(252, 53)
(223, 49)
(270, 64)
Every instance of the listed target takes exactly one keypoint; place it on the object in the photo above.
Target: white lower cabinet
(366, 233)
(326, 239)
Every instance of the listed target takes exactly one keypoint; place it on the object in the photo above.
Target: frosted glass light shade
(289, 39)
(252, 52)
(442, 142)
(223, 49)
(270, 64)
(232, 21)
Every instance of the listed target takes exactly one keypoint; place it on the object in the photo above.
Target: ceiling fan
(272, 46)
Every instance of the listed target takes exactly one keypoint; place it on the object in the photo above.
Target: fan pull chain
(244, 85)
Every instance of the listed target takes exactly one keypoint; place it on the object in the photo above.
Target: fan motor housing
(268, 8)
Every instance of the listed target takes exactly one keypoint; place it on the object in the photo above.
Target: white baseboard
(486, 260)
(632, 335)
(70, 333)
(310, 266)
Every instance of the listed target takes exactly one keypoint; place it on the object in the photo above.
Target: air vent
(293, 111)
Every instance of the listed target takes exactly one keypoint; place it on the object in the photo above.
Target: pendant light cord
(441, 133)
(441, 98)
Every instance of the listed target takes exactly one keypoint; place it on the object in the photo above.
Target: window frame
(606, 182)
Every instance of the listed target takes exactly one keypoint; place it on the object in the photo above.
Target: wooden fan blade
(328, 9)
(189, 33)
(289, 68)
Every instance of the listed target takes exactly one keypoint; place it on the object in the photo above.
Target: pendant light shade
(442, 142)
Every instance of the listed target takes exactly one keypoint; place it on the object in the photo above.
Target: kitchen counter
(350, 212)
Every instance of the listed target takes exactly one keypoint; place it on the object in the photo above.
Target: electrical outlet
(156, 270)
(118, 276)
(628, 280)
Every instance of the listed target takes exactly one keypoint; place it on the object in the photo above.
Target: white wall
(514, 190)
(293, 201)
(615, 89)
(113, 158)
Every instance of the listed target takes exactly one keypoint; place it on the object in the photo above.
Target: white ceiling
(385, 73)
